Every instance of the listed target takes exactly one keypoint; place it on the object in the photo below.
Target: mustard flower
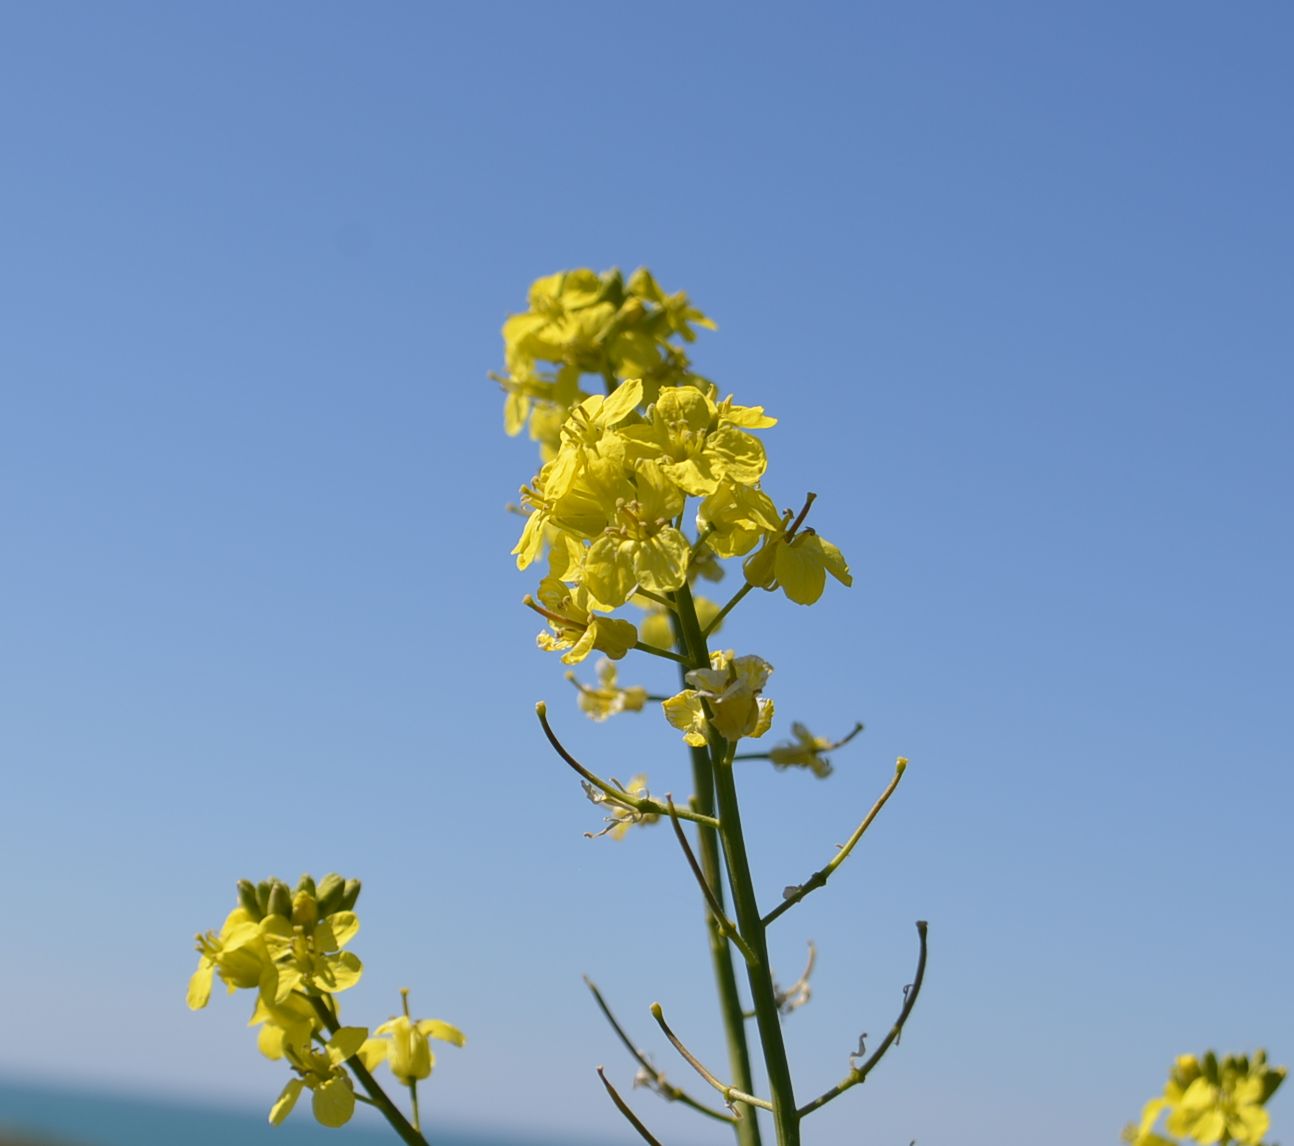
(333, 1095)
(806, 751)
(402, 1044)
(310, 958)
(238, 954)
(730, 687)
(576, 627)
(798, 566)
(1213, 1102)
(608, 698)
(694, 447)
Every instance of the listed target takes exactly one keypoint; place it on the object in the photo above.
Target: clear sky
(1017, 279)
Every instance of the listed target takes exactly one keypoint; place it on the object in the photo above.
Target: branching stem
(820, 877)
(657, 1080)
(859, 1073)
(643, 804)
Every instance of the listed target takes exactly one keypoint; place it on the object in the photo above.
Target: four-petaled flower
(730, 690)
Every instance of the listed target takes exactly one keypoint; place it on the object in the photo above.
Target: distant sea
(90, 1118)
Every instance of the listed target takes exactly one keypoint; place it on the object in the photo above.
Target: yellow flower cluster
(287, 945)
(648, 481)
(584, 323)
(608, 510)
(1209, 1102)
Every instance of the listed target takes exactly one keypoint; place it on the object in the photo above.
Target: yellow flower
(608, 698)
(696, 448)
(640, 546)
(310, 958)
(333, 1096)
(806, 751)
(582, 322)
(238, 954)
(799, 567)
(574, 625)
(735, 518)
(1211, 1101)
(403, 1044)
(730, 687)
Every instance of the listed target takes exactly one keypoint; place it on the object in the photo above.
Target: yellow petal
(334, 1102)
(286, 1101)
(200, 985)
(435, 1029)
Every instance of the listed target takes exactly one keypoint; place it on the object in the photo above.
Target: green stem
(399, 1123)
(687, 635)
(786, 1121)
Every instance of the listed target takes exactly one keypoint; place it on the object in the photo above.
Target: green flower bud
(329, 893)
(247, 899)
(306, 883)
(280, 900)
(263, 896)
(350, 895)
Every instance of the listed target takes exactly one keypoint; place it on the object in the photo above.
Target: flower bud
(329, 893)
(263, 896)
(247, 899)
(350, 894)
(305, 911)
(306, 883)
(280, 899)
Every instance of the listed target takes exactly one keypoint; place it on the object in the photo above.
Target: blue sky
(1016, 279)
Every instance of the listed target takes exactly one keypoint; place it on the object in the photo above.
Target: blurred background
(1017, 280)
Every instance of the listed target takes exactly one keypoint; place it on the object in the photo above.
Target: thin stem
(663, 601)
(642, 804)
(795, 893)
(809, 499)
(656, 1079)
(717, 619)
(859, 1073)
(720, 917)
(857, 728)
(399, 1123)
(730, 1093)
(659, 652)
(413, 1082)
(623, 1107)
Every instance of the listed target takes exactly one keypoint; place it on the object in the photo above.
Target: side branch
(795, 893)
(721, 920)
(623, 1107)
(643, 804)
(859, 1073)
(730, 1094)
(655, 1079)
